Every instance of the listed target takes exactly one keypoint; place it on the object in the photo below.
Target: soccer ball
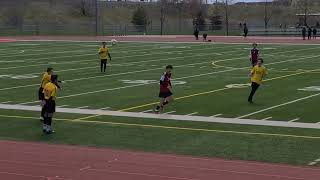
(113, 42)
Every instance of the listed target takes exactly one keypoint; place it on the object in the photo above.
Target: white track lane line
(146, 111)
(82, 107)
(5, 102)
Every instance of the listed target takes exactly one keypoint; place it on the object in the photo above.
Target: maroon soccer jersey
(165, 81)
(254, 55)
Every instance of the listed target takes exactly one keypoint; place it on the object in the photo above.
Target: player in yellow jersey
(46, 78)
(50, 95)
(104, 57)
(257, 74)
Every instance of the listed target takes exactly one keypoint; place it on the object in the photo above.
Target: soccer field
(208, 80)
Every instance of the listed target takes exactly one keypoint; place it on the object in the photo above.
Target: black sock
(165, 103)
(158, 107)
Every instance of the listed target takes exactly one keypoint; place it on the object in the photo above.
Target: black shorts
(104, 61)
(40, 94)
(50, 106)
(165, 94)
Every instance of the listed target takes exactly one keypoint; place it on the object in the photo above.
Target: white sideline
(283, 104)
(293, 120)
(266, 118)
(169, 117)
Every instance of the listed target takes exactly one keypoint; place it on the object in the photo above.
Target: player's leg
(168, 99)
(254, 88)
(104, 65)
(101, 65)
(159, 107)
(41, 98)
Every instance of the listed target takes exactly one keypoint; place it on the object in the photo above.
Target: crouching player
(165, 94)
(254, 54)
(50, 95)
(258, 72)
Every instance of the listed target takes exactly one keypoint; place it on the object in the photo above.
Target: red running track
(35, 161)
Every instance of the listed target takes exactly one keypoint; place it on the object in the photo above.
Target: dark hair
(255, 44)
(49, 69)
(169, 67)
(260, 59)
(54, 78)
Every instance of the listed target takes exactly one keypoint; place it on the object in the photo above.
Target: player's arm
(109, 56)
(251, 72)
(100, 51)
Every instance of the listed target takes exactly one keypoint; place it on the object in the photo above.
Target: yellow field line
(175, 128)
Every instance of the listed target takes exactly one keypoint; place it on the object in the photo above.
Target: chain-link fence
(96, 17)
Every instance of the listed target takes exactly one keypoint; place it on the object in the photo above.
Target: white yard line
(186, 77)
(100, 76)
(315, 162)
(82, 107)
(293, 120)
(62, 106)
(280, 105)
(170, 112)
(192, 114)
(149, 110)
(266, 118)
(105, 108)
(168, 117)
(5, 102)
(77, 62)
(216, 115)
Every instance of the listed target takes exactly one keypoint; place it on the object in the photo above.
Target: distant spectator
(280, 26)
(304, 32)
(309, 33)
(245, 30)
(314, 33)
(204, 35)
(240, 25)
(196, 33)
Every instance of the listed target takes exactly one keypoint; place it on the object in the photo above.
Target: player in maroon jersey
(165, 94)
(254, 54)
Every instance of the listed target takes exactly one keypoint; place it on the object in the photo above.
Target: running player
(254, 54)
(104, 56)
(165, 94)
(258, 72)
(45, 79)
(50, 95)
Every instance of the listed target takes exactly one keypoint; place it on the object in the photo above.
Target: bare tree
(305, 6)
(268, 11)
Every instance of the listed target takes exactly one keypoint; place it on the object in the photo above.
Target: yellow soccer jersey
(50, 90)
(103, 52)
(46, 78)
(258, 73)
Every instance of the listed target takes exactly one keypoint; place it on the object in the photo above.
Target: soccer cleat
(156, 109)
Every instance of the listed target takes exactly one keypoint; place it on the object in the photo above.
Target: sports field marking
(97, 112)
(216, 115)
(105, 108)
(170, 112)
(81, 107)
(62, 106)
(72, 62)
(280, 105)
(173, 127)
(294, 120)
(194, 113)
(5, 102)
(149, 110)
(315, 162)
(213, 91)
(267, 118)
(100, 76)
